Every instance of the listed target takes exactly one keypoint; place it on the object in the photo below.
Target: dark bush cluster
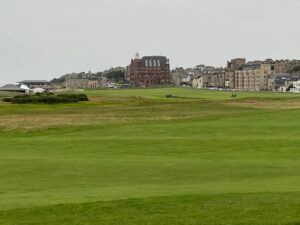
(48, 99)
(7, 99)
(76, 97)
(171, 96)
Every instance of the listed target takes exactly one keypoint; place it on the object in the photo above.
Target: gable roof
(11, 87)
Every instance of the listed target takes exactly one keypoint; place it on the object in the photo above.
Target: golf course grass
(135, 157)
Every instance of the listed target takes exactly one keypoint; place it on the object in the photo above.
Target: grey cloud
(43, 39)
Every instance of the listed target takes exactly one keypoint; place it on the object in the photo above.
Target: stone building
(235, 64)
(198, 83)
(213, 78)
(285, 66)
(254, 77)
(149, 71)
(248, 79)
(232, 67)
(208, 75)
(281, 67)
(258, 75)
(76, 82)
(177, 74)
(181, 76)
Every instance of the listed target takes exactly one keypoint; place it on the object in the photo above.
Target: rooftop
(34, 82)
(11, 87)
(155, 60)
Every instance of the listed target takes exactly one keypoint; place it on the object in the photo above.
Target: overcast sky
(42, 39)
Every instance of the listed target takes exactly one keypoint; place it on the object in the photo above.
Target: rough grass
(229, 209)
(151, 160)
(189, 93)
(103, 110)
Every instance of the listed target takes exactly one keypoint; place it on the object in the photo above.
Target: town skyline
(172, 67)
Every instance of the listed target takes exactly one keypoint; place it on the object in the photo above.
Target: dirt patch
(266, 104)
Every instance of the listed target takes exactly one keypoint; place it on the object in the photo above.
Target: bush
(171, 96)
(7, 99)
(78, 97)
(48, 99)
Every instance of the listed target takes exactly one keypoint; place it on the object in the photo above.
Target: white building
(37, 90)
(296, 87)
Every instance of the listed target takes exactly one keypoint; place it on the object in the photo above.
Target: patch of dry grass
(266, 103)
(104, 110)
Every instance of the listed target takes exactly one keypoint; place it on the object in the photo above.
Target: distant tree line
(295, 69)
(59, 80)
(116, 76)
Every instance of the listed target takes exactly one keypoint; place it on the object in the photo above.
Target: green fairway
(135, 157)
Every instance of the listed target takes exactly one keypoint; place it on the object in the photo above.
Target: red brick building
(149, 71)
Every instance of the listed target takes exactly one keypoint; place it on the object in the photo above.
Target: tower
(137, 56)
